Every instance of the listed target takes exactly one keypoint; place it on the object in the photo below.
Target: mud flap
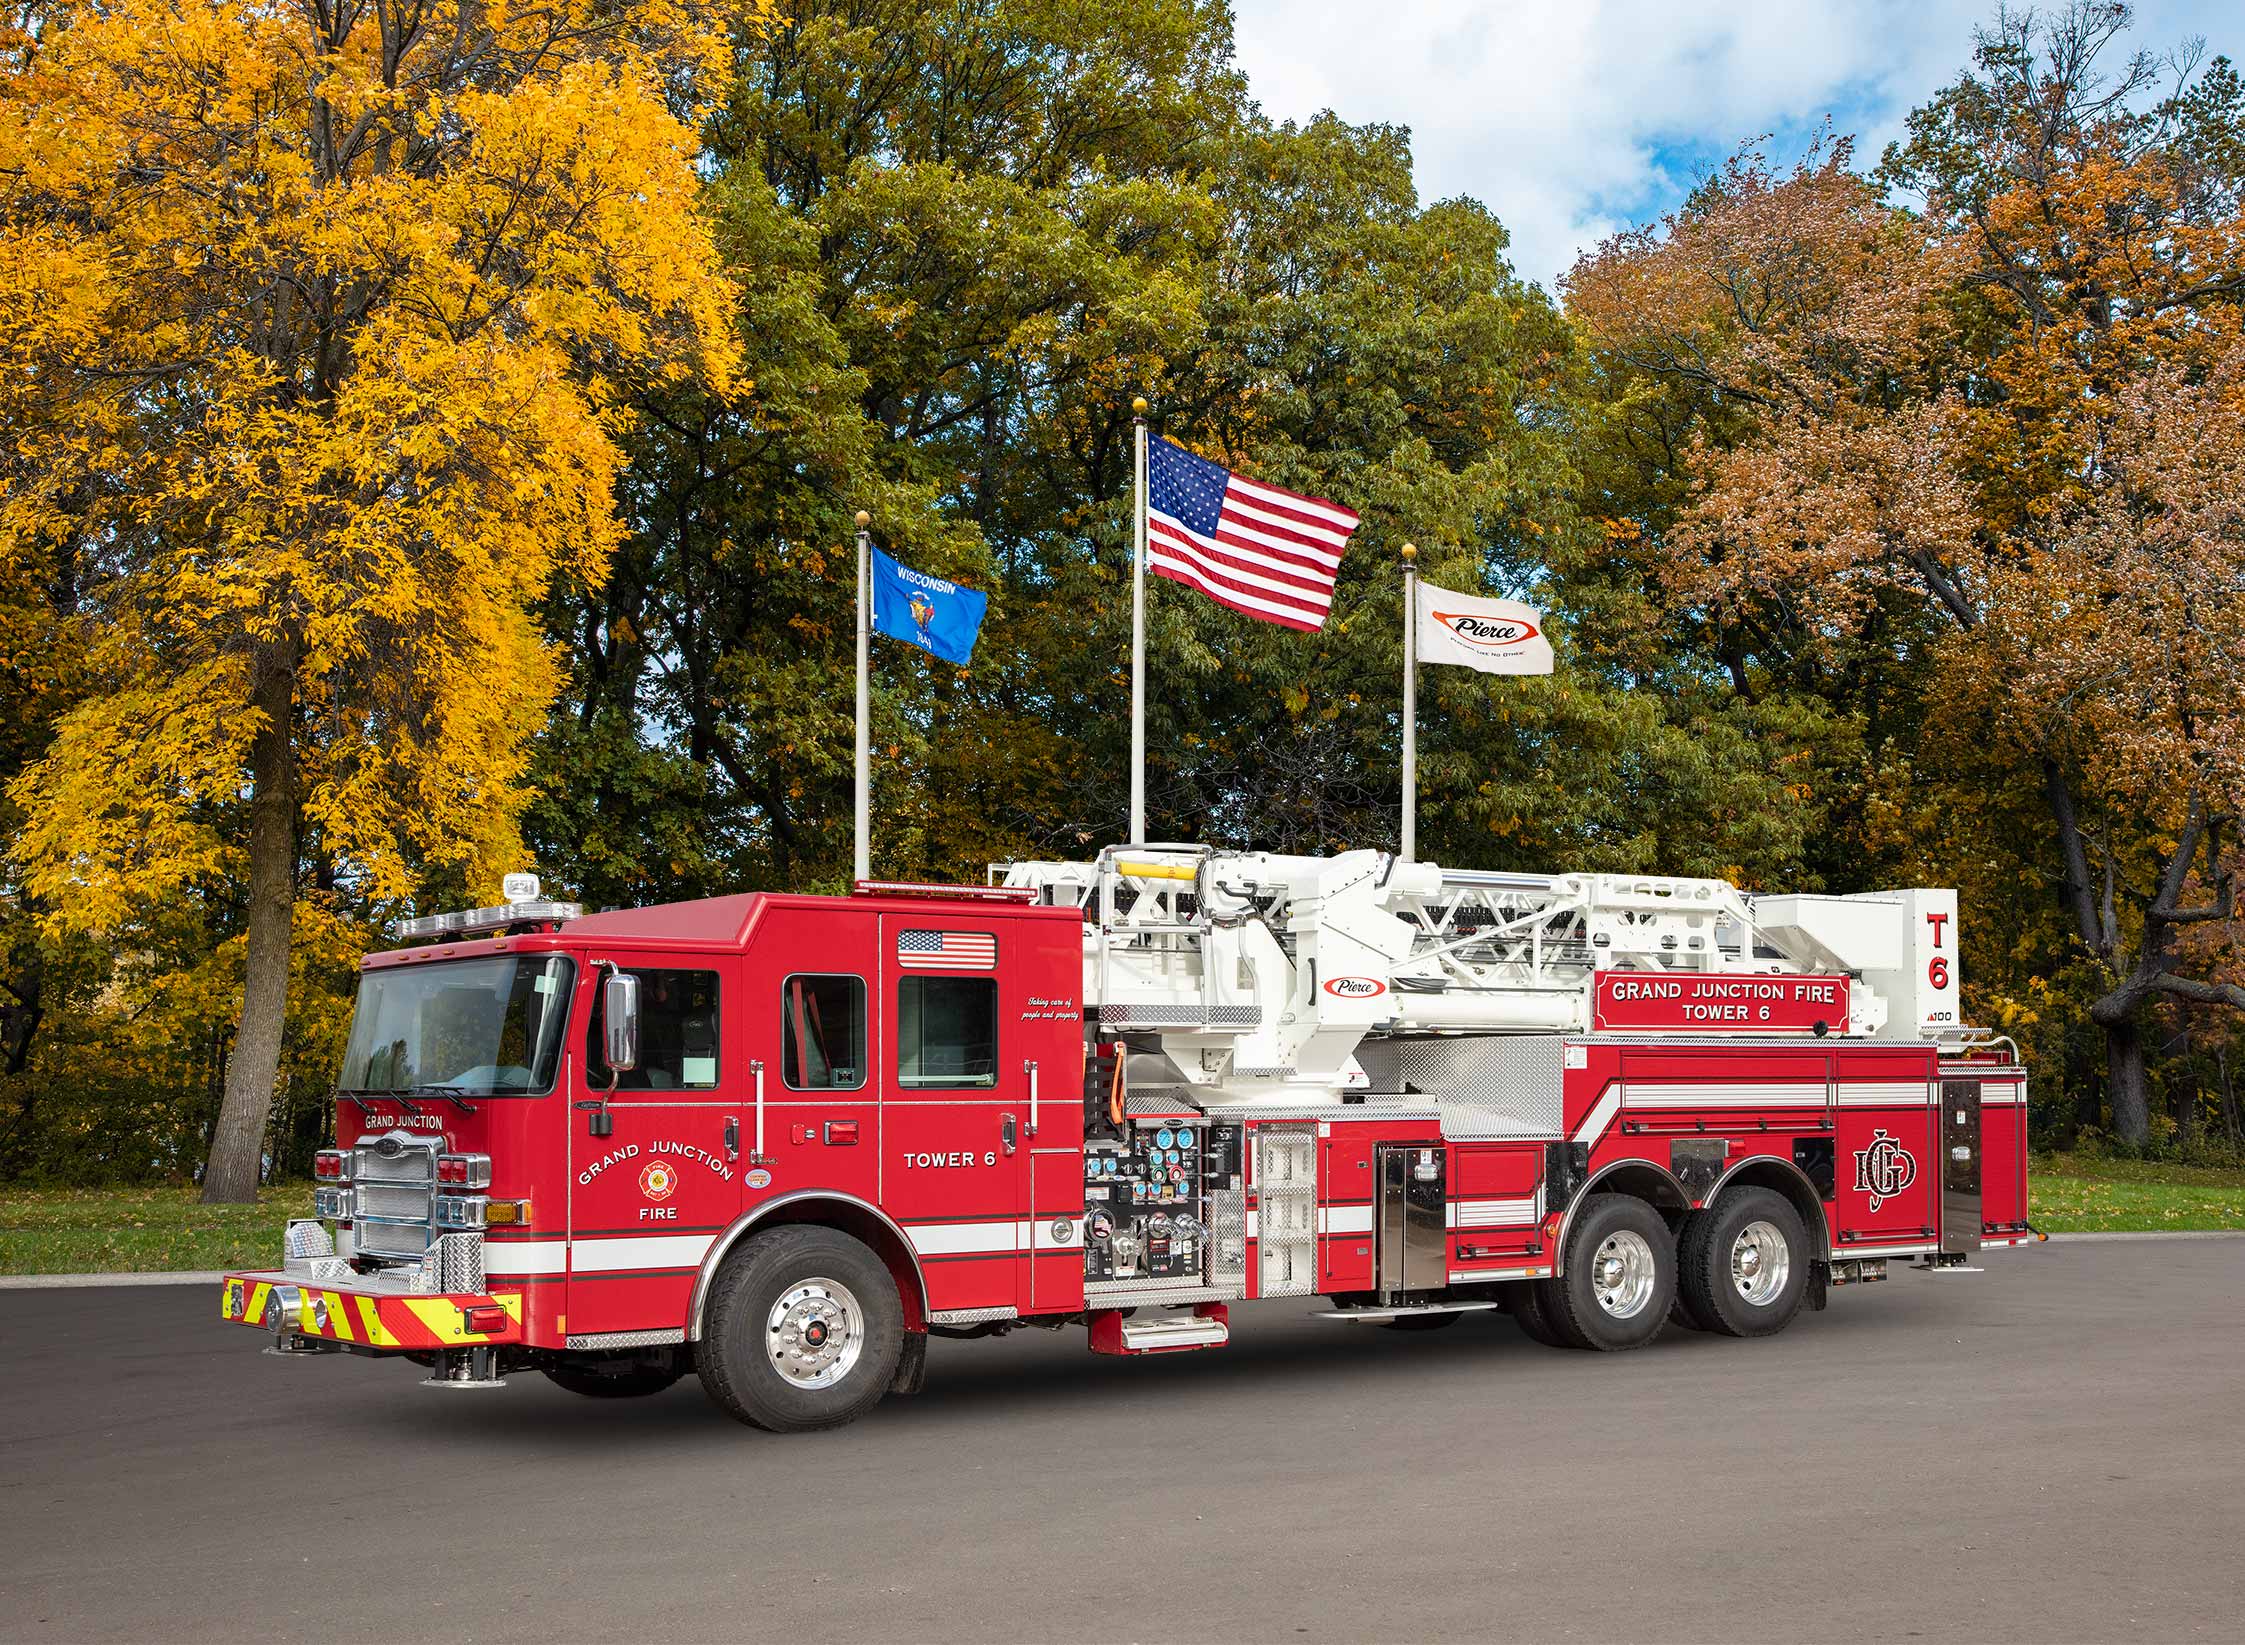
(911, 1365)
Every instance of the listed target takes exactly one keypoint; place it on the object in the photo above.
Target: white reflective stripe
(1842, 1253)
(1999, 1095)
(598, 1256)
(524, 1256)
(1348, 1219)
(1491, 1213)
(1600, 1116)
(951, 1239)
(1251, 1222)
(1742, 1095)
(1457, 1274)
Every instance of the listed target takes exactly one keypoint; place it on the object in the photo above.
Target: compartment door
(1960, 1165)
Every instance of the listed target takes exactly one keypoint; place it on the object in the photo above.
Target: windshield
(482, 1027)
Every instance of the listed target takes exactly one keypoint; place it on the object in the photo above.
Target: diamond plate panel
(1226, 1250)
(1485, 1085)
(629, 1339)
(1180, 1016)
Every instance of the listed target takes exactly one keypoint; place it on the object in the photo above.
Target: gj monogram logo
(1884, 1169)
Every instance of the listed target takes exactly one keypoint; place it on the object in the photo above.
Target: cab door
(809, 1022)
(955, 1105)
(647, 1200)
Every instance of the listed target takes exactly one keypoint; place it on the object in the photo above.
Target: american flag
(947, 951)
(1268, 553)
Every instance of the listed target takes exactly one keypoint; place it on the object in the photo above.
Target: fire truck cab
(779, 1140)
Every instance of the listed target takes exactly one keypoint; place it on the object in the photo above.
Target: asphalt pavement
(2050, 1450)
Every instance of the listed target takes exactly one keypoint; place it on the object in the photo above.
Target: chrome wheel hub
(1760, 1263)
(1621, 1274)
(815, 1333)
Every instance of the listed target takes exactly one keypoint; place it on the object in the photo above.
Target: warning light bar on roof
(469, 921)
(963, 893)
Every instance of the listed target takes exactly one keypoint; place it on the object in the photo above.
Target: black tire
(736, 1359)
(626, 1379)
(1571, 1301)
(1528, 1314)
(1711, 1294)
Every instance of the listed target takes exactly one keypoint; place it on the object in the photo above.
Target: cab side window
(678, 1034)
(946, 1033)
(822, 1033)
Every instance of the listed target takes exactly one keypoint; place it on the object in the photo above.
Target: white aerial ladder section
(1262, 974)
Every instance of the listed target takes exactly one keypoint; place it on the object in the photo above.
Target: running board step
(1407, 1310)
(1207, 1326)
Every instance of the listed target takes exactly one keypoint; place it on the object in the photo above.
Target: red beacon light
(331, 1165)
(464, 1170)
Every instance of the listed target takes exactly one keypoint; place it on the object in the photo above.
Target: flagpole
(1138, 631)
(864, 858)
(1410, 703)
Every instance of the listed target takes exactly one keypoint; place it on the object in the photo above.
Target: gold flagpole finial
(863, 519)
(1138, 406)
(1409, 553)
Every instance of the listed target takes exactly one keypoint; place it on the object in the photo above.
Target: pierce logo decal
(658, 1180)
(1355, 988)
(1883, 1169)
(1488, 633)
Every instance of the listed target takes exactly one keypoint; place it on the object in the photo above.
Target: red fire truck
(781, 1140)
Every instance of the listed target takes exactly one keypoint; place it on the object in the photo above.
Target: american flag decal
(947, 951)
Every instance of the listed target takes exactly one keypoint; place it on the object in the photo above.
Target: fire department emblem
(1883, 1169)
(659, 1180)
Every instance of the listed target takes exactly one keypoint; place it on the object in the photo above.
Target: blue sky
(1573, 118)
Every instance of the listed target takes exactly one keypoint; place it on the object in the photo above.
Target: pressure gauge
(1162, 1137)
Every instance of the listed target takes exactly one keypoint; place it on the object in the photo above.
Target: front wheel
(1618, 1278)
(804, 1331)
(1745, 1264)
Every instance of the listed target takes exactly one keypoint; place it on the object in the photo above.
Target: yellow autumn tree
(317, 325)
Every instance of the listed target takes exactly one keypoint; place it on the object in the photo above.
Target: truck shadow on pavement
(1052, 1373)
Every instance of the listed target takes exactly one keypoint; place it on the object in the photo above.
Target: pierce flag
(939, 617)
(1494, 636)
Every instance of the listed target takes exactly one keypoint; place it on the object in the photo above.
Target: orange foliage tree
(2015, 412)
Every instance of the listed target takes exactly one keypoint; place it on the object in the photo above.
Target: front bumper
(368, 1314)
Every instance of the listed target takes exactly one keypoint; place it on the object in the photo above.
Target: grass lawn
(2070, 1195)
(141, 1230)
(85, 1231)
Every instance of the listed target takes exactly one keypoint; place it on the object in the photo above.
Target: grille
(395, 1191)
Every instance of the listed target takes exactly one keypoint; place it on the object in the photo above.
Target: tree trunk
(2229, 1097)
(238, 1144)
(2124, 1082)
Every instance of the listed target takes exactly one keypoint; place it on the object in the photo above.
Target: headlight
(460, 1210)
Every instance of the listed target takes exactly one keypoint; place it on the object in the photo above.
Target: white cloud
(1570, 118)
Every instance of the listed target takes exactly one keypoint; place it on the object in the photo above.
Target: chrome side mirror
(619, 1020)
